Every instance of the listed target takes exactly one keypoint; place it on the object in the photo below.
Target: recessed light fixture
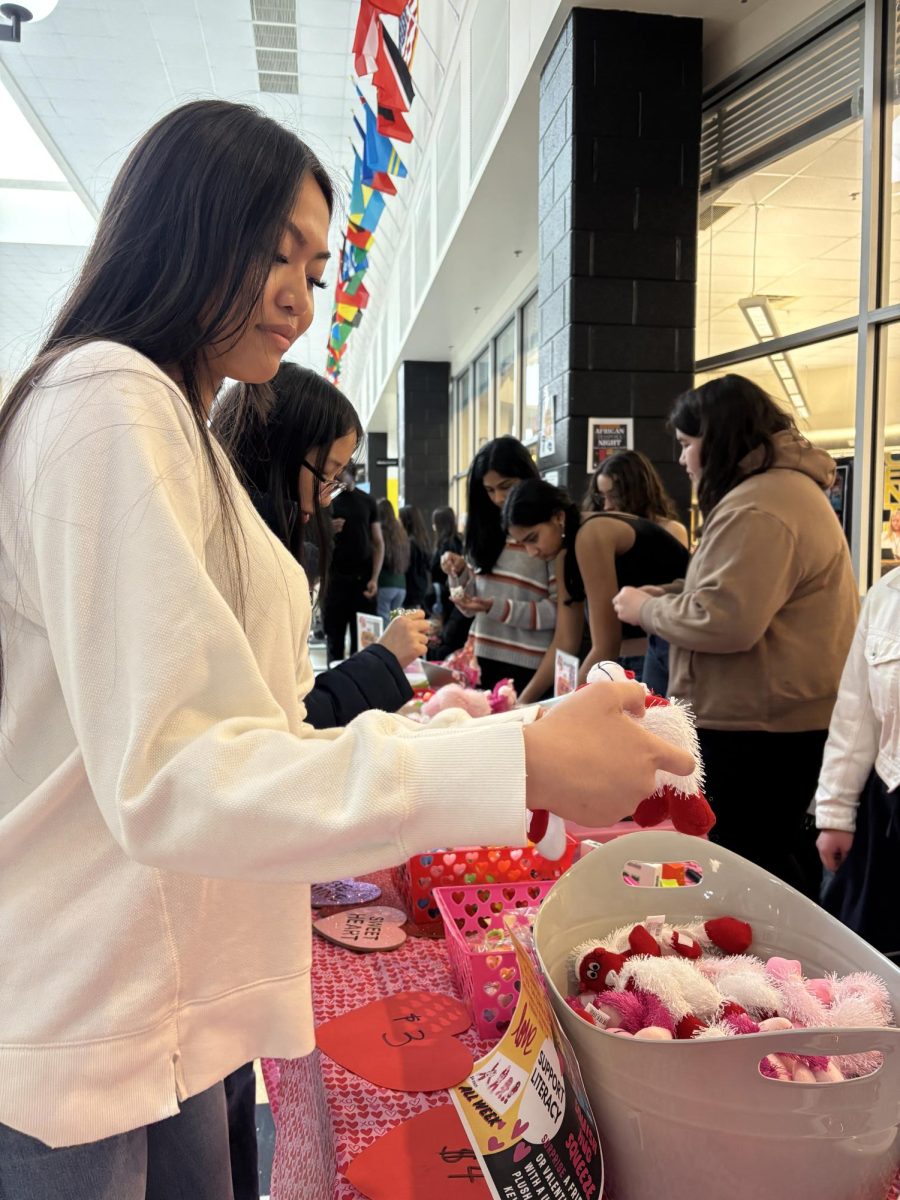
(19, 14)
(759, 316)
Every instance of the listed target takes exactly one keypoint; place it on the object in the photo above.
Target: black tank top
(655, 558)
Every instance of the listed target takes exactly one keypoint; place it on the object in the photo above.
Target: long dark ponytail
(536, 501)
(181, 255)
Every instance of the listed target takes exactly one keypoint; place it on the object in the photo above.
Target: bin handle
(752, 1048)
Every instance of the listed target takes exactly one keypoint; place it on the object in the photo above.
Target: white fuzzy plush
(742, 979)
(677, 983)
(673, 722)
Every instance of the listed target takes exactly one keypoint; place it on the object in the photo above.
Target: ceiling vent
(275, 38)
(712, 213)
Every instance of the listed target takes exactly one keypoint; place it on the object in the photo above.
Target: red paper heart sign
(403, 1042)
(428, 1155)
(374, 928)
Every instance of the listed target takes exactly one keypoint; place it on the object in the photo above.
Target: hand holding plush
(680, 799)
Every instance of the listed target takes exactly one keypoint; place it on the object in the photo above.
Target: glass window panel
(530, 399)
(482, 399)
(505, 383)
(788, 234)
(887, 505)
(818, 386)
(892, 117)
(464, 421)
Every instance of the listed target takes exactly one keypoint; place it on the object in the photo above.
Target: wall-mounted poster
(547, 444)
(606, 435)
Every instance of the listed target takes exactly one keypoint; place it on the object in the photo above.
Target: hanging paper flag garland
(376, 53)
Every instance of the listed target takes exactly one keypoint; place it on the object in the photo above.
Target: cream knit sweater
(163, 806)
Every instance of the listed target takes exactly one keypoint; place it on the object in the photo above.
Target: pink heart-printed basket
(487, 978)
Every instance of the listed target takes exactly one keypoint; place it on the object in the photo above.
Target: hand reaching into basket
(590, 761)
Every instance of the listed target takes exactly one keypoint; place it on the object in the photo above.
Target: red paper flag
(367, 39)
(393, 8)
(392, 79)
(391, 124)
(359, 237)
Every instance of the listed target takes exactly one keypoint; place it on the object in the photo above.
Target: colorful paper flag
(392, 79)
(409, 31)
(392, 124)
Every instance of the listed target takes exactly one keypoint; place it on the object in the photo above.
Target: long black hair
(268, 449)
(639, 489)
(182, 252)
(396, 542)
(485, 538)
(734, 417)
(416, 530)
(536, 501)
(445, 528)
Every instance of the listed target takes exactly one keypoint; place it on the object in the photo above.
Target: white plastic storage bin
(696, 1120)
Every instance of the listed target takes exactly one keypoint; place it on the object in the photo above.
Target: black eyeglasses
(329, 487)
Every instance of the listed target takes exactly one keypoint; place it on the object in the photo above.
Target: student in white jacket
(163, 805)
(857, 801)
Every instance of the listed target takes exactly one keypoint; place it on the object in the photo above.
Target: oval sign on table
(378, 927)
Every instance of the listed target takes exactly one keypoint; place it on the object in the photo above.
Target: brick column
(423, 434)
(619, 175)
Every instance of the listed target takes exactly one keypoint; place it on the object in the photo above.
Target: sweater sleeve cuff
(646, 614)
(471, 799)
(836, 814)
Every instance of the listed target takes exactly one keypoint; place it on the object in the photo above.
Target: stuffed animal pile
(694, 981)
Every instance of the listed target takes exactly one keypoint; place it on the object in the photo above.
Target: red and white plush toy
(595, 963)
(680, 798)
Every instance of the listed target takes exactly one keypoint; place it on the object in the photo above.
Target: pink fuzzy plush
(451, 695)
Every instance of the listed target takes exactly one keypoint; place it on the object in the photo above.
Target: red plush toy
(593, 962)
(679, 799)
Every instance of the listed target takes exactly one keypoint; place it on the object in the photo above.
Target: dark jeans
(860, 893)
(760, 786)
(343, 600)
(184, 1157)
(240, 1099)
(656, 665)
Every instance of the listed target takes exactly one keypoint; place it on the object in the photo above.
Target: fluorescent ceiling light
(761, 319)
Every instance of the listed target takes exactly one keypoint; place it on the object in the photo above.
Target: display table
(324, 1115)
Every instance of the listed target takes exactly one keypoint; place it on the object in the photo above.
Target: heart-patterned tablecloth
(325, 1115)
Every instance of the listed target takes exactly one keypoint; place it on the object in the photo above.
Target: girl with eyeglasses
(291, 458)
(164, 804)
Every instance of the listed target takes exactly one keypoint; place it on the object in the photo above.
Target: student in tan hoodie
(761, 625)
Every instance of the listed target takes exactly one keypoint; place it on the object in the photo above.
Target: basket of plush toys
(735, 1040)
